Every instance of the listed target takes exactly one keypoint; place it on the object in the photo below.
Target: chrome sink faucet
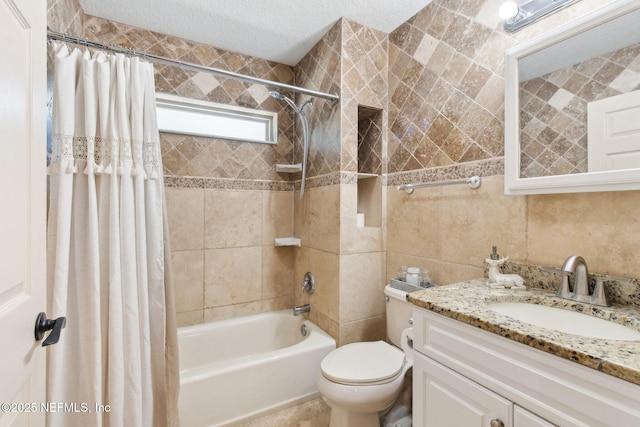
(578, 266)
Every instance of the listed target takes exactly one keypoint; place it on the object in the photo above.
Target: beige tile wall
(224, 260)
(347, 261)
(223, 196)
(438, 81)
(450, 230)
(192, 156)
(365, 73)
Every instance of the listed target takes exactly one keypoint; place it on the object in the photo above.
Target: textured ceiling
(277, 30)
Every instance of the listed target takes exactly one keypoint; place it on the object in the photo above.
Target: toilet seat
(363, 363)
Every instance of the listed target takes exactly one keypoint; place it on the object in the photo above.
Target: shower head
(281, 97)
(276, 95)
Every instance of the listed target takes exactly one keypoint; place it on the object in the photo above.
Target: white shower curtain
(116, 361)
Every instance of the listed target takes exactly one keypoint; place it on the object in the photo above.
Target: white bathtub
(235, 369)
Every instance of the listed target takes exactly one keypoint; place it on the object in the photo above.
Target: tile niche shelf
(287, 241)
(289, 168)
(370, 165)
(362, 176)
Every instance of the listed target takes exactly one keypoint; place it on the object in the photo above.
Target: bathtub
(236, 369)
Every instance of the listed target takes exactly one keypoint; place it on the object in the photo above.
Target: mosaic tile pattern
(482, 168)
(226, 184)
(185, 155)
(553, 113)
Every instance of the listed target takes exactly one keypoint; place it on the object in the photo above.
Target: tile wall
(438, 81)
(65, 16)
(446, 121)
(225, 200)
(348, 261)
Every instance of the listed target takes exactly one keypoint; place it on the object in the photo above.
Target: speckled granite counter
(468, 302)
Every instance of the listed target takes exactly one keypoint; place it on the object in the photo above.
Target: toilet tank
(399, 311)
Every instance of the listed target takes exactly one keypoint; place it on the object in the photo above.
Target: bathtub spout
(301, 309)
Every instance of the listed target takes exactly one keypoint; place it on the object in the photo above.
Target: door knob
(54, 325)
(496, 422)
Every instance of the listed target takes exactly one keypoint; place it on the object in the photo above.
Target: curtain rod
(473, 182)
(52, 35)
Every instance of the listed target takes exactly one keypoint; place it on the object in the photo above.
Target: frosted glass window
(202, 118)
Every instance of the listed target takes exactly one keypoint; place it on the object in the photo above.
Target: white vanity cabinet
(464, 376)
(445, 398)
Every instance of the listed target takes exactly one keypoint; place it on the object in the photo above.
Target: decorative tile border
(334, 178)
(490, 167)
(226, 184)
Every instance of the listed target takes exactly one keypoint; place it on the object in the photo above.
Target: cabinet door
(524, 418)
(443, 398)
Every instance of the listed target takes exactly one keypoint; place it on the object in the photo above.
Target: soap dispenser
(494, 262)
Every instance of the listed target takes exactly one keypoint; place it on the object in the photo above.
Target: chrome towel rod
(473, 182)
(53, 35)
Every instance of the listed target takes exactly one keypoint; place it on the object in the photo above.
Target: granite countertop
(468, 302)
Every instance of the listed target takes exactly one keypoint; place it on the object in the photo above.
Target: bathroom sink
(570, 322)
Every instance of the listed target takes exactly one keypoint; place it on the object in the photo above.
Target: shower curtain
(108, 263)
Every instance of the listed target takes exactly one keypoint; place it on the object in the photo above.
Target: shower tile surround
(348, 262)
(438, 81)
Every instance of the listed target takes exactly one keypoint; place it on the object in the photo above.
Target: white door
(614, 132)
(23, 209)
(444, 398)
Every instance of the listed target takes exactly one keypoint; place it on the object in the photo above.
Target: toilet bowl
(363, 379)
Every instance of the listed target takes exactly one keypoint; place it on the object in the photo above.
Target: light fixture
(517, 16)
(508, 10)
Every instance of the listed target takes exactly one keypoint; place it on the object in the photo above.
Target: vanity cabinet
(465, 376)
(450, 399)
(446, 398)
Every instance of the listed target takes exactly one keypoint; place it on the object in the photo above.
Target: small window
(202, 118)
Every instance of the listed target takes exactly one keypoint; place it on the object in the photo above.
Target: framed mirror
(572, 106)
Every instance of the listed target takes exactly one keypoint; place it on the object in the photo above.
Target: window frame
(181, 104)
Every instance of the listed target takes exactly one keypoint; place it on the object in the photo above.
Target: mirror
(572, 106)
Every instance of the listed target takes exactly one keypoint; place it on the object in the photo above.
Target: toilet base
(343, 418)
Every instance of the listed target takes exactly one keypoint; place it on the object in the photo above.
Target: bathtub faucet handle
(308, 284)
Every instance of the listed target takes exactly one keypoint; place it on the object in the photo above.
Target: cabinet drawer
(563, 392)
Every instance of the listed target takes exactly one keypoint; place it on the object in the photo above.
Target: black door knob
(54, 325)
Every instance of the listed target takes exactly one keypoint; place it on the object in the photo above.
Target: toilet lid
(363, 362)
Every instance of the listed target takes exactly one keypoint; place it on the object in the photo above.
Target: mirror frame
(617, 180)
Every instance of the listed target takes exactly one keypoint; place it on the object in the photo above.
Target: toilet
(363, 379)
